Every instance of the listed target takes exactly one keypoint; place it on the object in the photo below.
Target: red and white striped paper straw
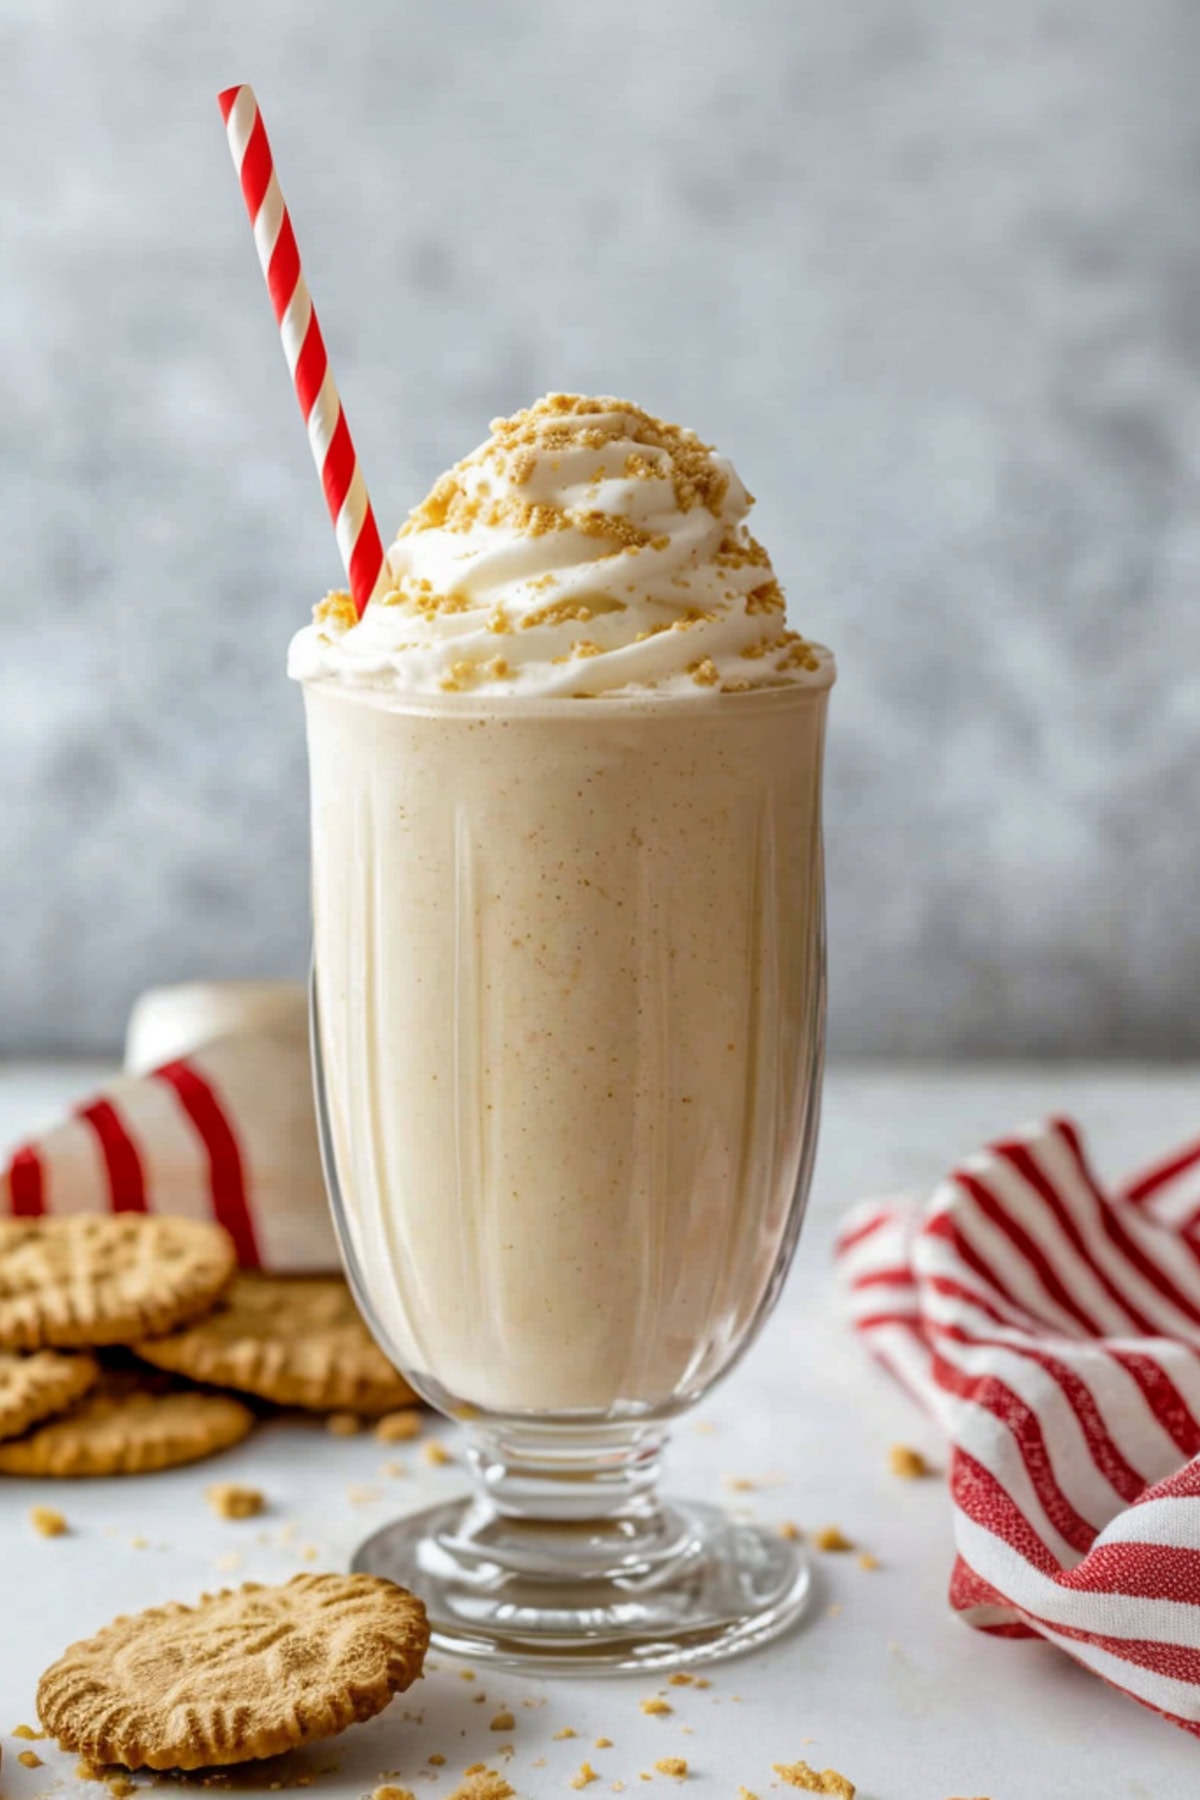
(328, 434)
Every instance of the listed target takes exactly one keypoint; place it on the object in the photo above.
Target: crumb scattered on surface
(907, 1463)
(672, 1765)
(791, 1531)
(813, 1781)
(436, 1453)
(680, 1679)
(120, 1786)
(702, 1681)
(744, 1793)
(586, 1775)
(867, 1561)
(29, 1759)
(387, 1792)
(399, 1427)
(343, 1424)
(466, 1674)
(28, 1733)
(603, 1743)
(656, 1706)
(833, 1539)
(47, 1521)
(87, 1771)
(480, 1783)
(229, 1562)
(437, 1760)
(309, 1553)
(503, 1721)
(740, 1484)
(229, 1500)
(566, 1732)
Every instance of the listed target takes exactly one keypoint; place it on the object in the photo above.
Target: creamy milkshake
(567, 894)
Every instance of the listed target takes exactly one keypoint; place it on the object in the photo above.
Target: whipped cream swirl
(585, 549)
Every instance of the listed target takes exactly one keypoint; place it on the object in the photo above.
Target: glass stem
(568, 1474)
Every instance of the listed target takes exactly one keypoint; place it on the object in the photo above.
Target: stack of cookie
(131, 1342)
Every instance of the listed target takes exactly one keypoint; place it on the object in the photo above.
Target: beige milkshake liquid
(568, 965)
(568, 933)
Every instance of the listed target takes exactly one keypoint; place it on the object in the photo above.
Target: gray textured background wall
(929, 270)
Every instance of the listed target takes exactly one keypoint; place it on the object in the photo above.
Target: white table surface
(881, 1682)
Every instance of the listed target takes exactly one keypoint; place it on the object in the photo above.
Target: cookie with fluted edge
(129, 1424)
(246, 1673)
(86, 1280)
(298, 1340)
(35, 1387)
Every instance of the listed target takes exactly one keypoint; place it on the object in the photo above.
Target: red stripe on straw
(126, 1181)
(328, 434)
(256, 169)
(283, 271)
(25, 1184)
(311, 365)
(227, 1180)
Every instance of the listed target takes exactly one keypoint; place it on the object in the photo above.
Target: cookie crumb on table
(229, 1500)
(399, 1427)
(586, 1775)
(907, 1464)
(867, 1561)
(566, 1732)
(790, 1531)
(29, 1759)
(482, 1783)
(813, 1781)
(27, 1731)
(672, 1765)
(436, 1454)
(387, 1792)
(503, 1721)
(656, 1706)
(680, 1679)
(47, 1522)
(343, 1424)
(833, 1539)
(603, 1743)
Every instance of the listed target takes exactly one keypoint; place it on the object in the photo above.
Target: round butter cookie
(298, 1340)
(246, 1673)
(85, 1280)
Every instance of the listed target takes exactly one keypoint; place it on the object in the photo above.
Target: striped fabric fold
(226, 1133)
(1053, 1329)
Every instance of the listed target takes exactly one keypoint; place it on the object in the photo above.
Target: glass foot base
(560, 1597)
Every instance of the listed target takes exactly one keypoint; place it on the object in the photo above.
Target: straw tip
(227, 98)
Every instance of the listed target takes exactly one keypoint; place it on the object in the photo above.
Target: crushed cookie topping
(337, 608)
(567, 505)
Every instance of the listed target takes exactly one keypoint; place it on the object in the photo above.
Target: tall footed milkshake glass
(568, 1024)
(568, 1013)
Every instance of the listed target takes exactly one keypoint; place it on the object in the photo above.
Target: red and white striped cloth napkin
(225, 1131)
(1053, 1328)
